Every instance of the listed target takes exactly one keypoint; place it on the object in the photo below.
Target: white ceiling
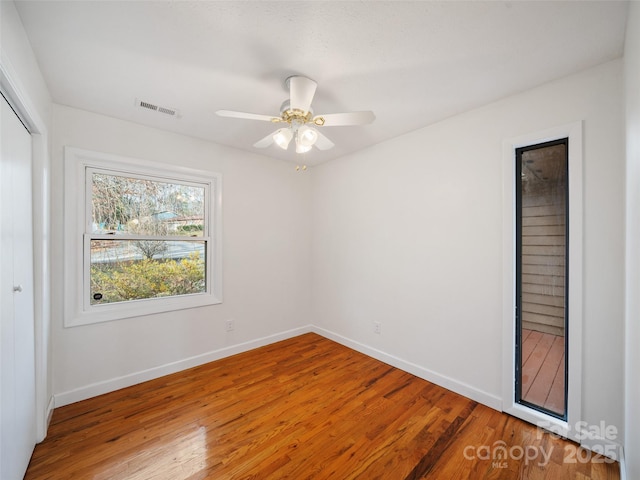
(412, 63)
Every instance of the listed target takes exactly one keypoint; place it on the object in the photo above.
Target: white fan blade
(301, 92)
(265, 142)
(322, 142)
(247, 116)
(342, 119)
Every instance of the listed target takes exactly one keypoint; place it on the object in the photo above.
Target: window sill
(138, 308)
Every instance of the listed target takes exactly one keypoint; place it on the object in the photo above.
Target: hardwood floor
(299, 409)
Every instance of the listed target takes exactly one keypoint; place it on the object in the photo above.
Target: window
(140, 238)
(542, 266)
(542, 278)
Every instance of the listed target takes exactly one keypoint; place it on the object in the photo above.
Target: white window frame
(79, 165)
(564, 428)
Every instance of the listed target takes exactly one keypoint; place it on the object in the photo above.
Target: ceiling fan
(300, 121)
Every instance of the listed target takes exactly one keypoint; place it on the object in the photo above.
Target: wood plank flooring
(543, 375)
(304, 408)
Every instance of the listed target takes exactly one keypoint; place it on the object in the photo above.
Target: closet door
(17, 338)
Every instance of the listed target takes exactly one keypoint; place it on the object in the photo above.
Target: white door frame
(566, 428)
(15, 93)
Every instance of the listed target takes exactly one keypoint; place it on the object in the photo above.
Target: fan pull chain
(303, 168)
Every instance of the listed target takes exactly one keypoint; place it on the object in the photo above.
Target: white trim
(19, 101)
(572, 131)
(17, 96)
(99, 388)
(50, 408)
(604, 446)
(77, 310)
(113, 384)
(623, 464)
(449, 383)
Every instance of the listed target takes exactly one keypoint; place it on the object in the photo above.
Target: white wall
(632, 330)
(409, 233)
(24, 86)
(18, 57)
(266, 280)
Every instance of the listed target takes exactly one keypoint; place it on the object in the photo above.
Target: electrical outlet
(377, 327)
(229, 325)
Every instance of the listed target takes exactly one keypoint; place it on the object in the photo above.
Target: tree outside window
(147, 238)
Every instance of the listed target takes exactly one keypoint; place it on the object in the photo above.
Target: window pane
(145, 207)
(123, 270)
(542, 272)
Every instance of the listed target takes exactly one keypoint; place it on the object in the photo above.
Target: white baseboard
(606, 447)
(106, 386)
(99, 388)
(50, 408)
(456, 386)
(47, 414)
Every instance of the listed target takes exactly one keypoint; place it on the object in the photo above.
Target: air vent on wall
(172, 112)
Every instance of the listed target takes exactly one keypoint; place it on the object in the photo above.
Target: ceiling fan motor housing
(290, 115)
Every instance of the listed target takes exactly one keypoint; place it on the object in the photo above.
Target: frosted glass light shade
(306, 136)
(302, 148)
(282, 138)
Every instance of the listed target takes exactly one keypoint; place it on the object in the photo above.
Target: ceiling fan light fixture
(297, 114)
(282, 138)
(306, 136)
(302, 148)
